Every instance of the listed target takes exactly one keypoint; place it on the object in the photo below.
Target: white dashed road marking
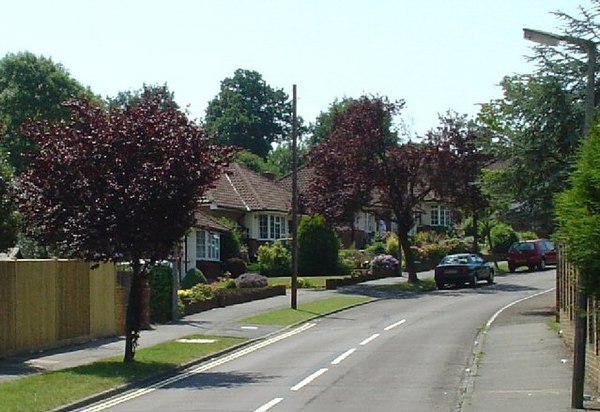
(309, 379)
(393, 325)
(343, 356)
(369, 339)
(269, 405)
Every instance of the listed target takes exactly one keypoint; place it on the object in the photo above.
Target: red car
(535, 254)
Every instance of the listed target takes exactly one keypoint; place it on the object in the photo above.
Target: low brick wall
(228, 297)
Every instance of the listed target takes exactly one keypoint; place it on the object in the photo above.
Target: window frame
(208, 245)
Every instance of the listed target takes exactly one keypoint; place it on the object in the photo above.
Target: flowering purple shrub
(251, 280)
(384, 262)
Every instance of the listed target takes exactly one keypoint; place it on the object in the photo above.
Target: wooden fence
(566, 280)
(47, 303)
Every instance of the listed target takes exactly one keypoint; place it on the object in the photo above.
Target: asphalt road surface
(400, 353)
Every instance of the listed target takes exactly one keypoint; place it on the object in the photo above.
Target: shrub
(305, 283)
(235, 266)
(527, 235)
(356, 259)
(427, 237)
(384, 263)
(274, 260)
(502, 237)
(377, 247)
(318, 247)
(202, 292)
(434, 252)
(160, 280)
(231, 242)
(192, 278)
(392, 245)
(251, 280)
(456, 245)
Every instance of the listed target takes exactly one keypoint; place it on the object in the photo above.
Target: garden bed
(362, 276)
(228, 297)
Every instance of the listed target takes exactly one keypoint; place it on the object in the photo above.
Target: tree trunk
(475, 232)
(133, 316)
(488, 233)
(408, 256)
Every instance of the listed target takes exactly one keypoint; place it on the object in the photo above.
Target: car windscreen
(455, 260)
(522, 247)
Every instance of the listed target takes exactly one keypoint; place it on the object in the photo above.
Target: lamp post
(551, 39)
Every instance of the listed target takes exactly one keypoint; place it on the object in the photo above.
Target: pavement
(519, 363)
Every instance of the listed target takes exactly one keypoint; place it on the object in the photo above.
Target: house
(432, 213)
(201, 247)
(259, 206)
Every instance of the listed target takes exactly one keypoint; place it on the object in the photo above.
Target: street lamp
(551, 39)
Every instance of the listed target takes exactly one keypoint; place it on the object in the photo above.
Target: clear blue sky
(434, 54)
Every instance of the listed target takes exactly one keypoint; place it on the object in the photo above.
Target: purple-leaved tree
(118, 185)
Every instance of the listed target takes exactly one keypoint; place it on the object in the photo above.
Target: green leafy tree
(248, 113)
(318, 247)
(578, 214)
(32, 88)
(324, 125)
(538, 123)
(131, 98)
(8, 216)
(255, 163)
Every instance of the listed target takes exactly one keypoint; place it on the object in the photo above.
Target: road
(402, 353)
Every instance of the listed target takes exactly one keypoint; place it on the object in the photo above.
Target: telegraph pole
(294, 201)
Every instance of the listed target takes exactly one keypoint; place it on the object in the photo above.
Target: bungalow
(201, 247)
(259, 206)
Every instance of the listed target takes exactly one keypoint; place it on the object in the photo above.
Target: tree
(539, 122)
(363, 165)
(32, 88)
(578, 214)
(324, 123)
(132, 97)
(248, 113)
(469, 159)
(117, 186)
(536, 127)
(8, 217)
(318, 247)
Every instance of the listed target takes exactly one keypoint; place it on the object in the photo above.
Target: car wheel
(542, 265)
(511, 268)
(474, 281)
(491, 278)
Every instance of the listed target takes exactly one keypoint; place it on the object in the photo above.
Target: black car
(463, 268)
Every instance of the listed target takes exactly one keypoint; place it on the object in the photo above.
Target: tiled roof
(243, 189)
(305, 175)
(204, 221)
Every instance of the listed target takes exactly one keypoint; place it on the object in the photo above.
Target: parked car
(535, 254)
(463, 268)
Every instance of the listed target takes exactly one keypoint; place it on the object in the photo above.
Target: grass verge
(50, 390)
(312, 282)
(305, 311)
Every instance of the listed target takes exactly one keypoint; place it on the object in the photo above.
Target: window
(271, 227)
(208, 245)
(439, 216)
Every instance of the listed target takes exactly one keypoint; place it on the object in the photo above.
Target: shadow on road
(209, 380)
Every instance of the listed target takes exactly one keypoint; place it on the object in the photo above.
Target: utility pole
(294, 201)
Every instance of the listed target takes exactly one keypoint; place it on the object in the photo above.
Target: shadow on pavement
(208, 380)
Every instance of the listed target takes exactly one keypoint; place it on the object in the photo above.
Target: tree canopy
(248, 113)
(537, 124)
(8, 217)
(32, 88)
(578, 213)
(120, 185)
(362, 165)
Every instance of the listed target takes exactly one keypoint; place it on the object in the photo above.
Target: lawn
(305, 311)
(312, 282)
(50, 390)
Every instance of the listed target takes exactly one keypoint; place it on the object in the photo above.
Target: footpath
(523, 365)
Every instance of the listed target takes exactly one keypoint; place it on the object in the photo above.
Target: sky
(436, 55)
